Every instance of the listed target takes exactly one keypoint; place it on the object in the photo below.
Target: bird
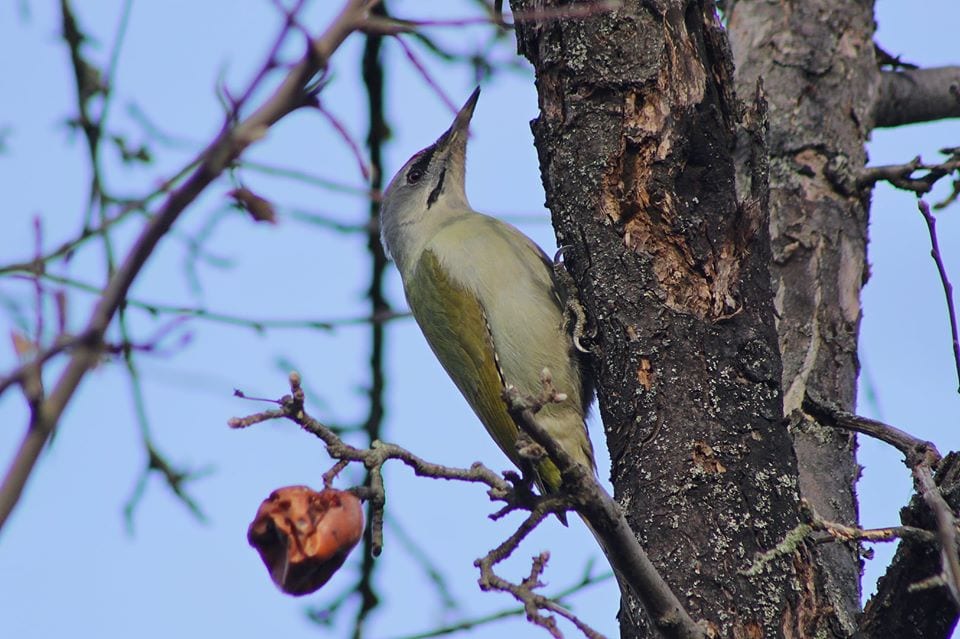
(487, 300)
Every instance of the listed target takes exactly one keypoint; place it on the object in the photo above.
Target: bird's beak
(465, 114)
(461, 124)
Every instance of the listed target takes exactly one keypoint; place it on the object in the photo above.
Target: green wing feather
(455, 325)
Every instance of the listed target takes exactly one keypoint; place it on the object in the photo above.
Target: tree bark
(897, 610)
(638, 138)
(816, 58)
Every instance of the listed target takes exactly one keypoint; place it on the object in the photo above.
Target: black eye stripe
(419, 167)
(435, 193)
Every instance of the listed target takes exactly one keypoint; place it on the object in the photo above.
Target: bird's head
(430, 184)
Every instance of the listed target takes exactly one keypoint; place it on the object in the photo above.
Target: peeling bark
(816, 58)
(639, 137)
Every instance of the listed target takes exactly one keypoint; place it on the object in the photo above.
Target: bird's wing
(455, 325)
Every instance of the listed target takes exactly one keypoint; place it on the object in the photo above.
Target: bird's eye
(414, 176)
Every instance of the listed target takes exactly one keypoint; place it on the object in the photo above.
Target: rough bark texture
(895, 611)
(637, 139)
(816, 58)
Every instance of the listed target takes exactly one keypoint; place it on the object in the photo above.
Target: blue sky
(68, 567)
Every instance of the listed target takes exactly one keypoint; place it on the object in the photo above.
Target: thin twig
(175, 478)
(425, 74)
(33, 382)
(901, 175)
(525, 591)
(475, 622)
(372, 74)
(309, 178)
(944, 281)
(842, 533)
(914, 449)
(128, 206)
(347, 138)
(200, 312)
(433, 572)
(324, 221)
(605, 519)
(232, 140)
(373, 458)
(20, 374)
(921, 457)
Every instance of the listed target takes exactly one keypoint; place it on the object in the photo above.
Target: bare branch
(36, 265)
(372, 74)
(843, 533)
(427, 77)
(921, 457)
(514, 493)
(308, 178)
(525, 591)
(907, 96)
(902, 175)
(605, 519)
(373, 459)
(915, 450)
(347, 138)
(811, 524)
(203, 313)
(232, 140)
(467, 624)
(175, 478)
(432, 571)
(944, 281)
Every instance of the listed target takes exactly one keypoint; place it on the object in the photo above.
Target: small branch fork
(832, 532)
(902, 175)
(373, 458)
(921, 457)
(511, 489)
(234, 137)
(524, 592)
(605, 519)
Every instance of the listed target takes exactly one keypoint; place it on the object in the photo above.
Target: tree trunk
(639, 138)
(816, 58)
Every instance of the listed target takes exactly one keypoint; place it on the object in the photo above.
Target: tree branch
(902, 175)
(512, 490)
(373, 459)
(605, 519)
(525, 591)
(202, 313)
(232, 140)
(899, 608)
(587, 580)
(915, 450)
(921, 457)
(944, 282)
(907, 96)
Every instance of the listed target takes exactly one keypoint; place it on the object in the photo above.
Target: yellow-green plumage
(484, 296)
(458, 316)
